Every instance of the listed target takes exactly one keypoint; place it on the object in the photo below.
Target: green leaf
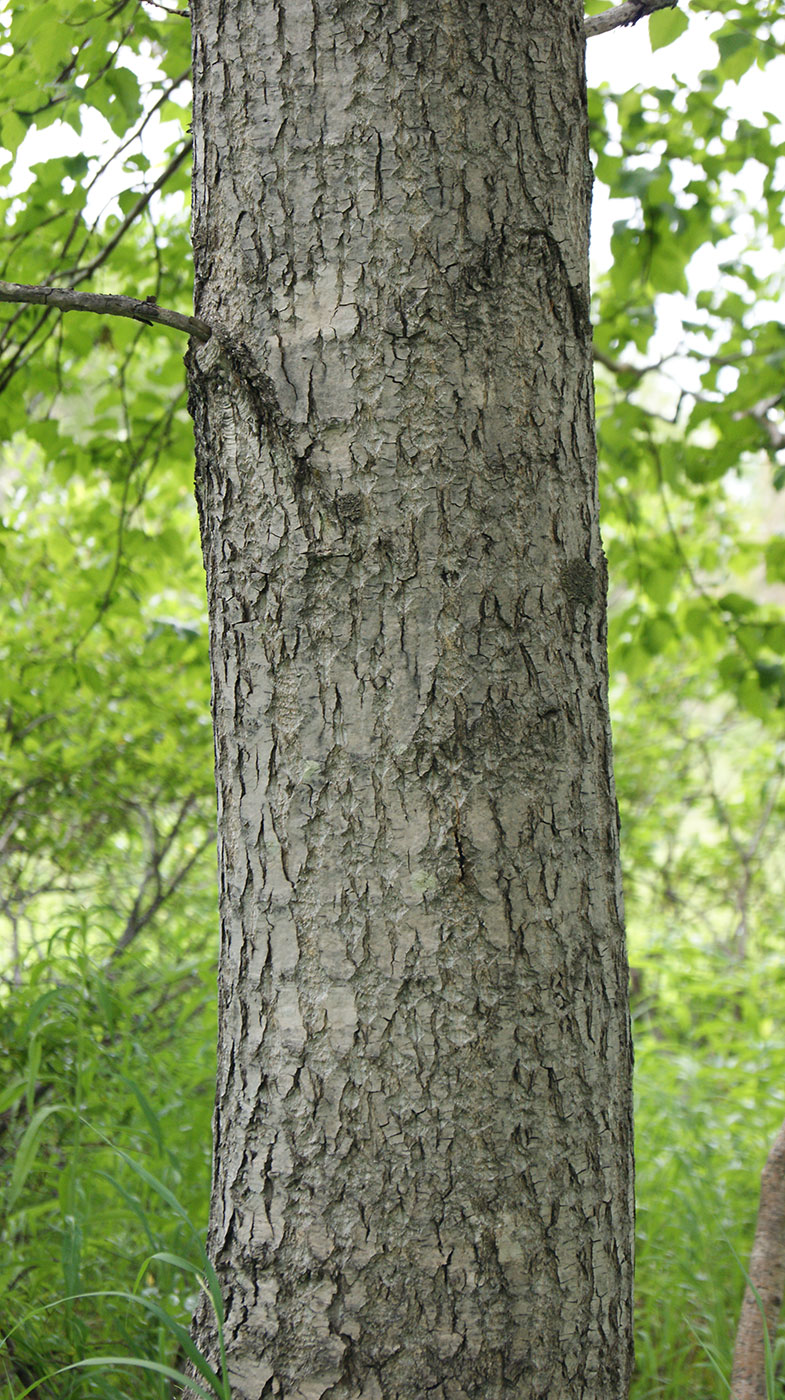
(665, 26)
(737, 603)
(12, 132)
(151, 1116)
(737, 52)
(774, 553)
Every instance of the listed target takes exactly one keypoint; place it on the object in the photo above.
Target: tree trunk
(423, 1128)
(762, 1301)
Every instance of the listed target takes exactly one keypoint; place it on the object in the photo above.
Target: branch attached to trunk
(64, 299)
(628, 13)
(763, 1294)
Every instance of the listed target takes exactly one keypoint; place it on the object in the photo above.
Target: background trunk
(423, 1156)
(762, 1301)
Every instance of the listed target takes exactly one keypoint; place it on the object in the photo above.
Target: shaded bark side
(422, 1175)
(766, 1278)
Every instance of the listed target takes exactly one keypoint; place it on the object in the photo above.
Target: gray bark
(422, 1176)
(762, 1303)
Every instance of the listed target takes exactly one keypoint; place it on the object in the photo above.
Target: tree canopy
(106, 788)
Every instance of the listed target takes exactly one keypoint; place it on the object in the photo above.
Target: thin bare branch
(624, 367)
(628, 13)
(134, 136)
(156, 4)
(760, 413)
(78, 274)
(141, 918)
(105, 304)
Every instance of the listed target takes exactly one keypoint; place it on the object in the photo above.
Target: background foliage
(106, 794)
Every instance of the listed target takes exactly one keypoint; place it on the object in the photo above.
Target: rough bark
(422, 1175)
(766, 1278)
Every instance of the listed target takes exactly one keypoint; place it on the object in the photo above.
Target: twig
(760, 413)
(181, 14)
(105, 304)
(134, 136)
(78, 274)
(140, 916)
(622, 366)
(628, 13)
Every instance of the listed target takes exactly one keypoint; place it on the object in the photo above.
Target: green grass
(710, 1096)
(105, 1140)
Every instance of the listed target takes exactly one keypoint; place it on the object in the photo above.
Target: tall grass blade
(27, 1149)
(135, 1362)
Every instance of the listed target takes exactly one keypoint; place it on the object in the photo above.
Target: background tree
(103, 675)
